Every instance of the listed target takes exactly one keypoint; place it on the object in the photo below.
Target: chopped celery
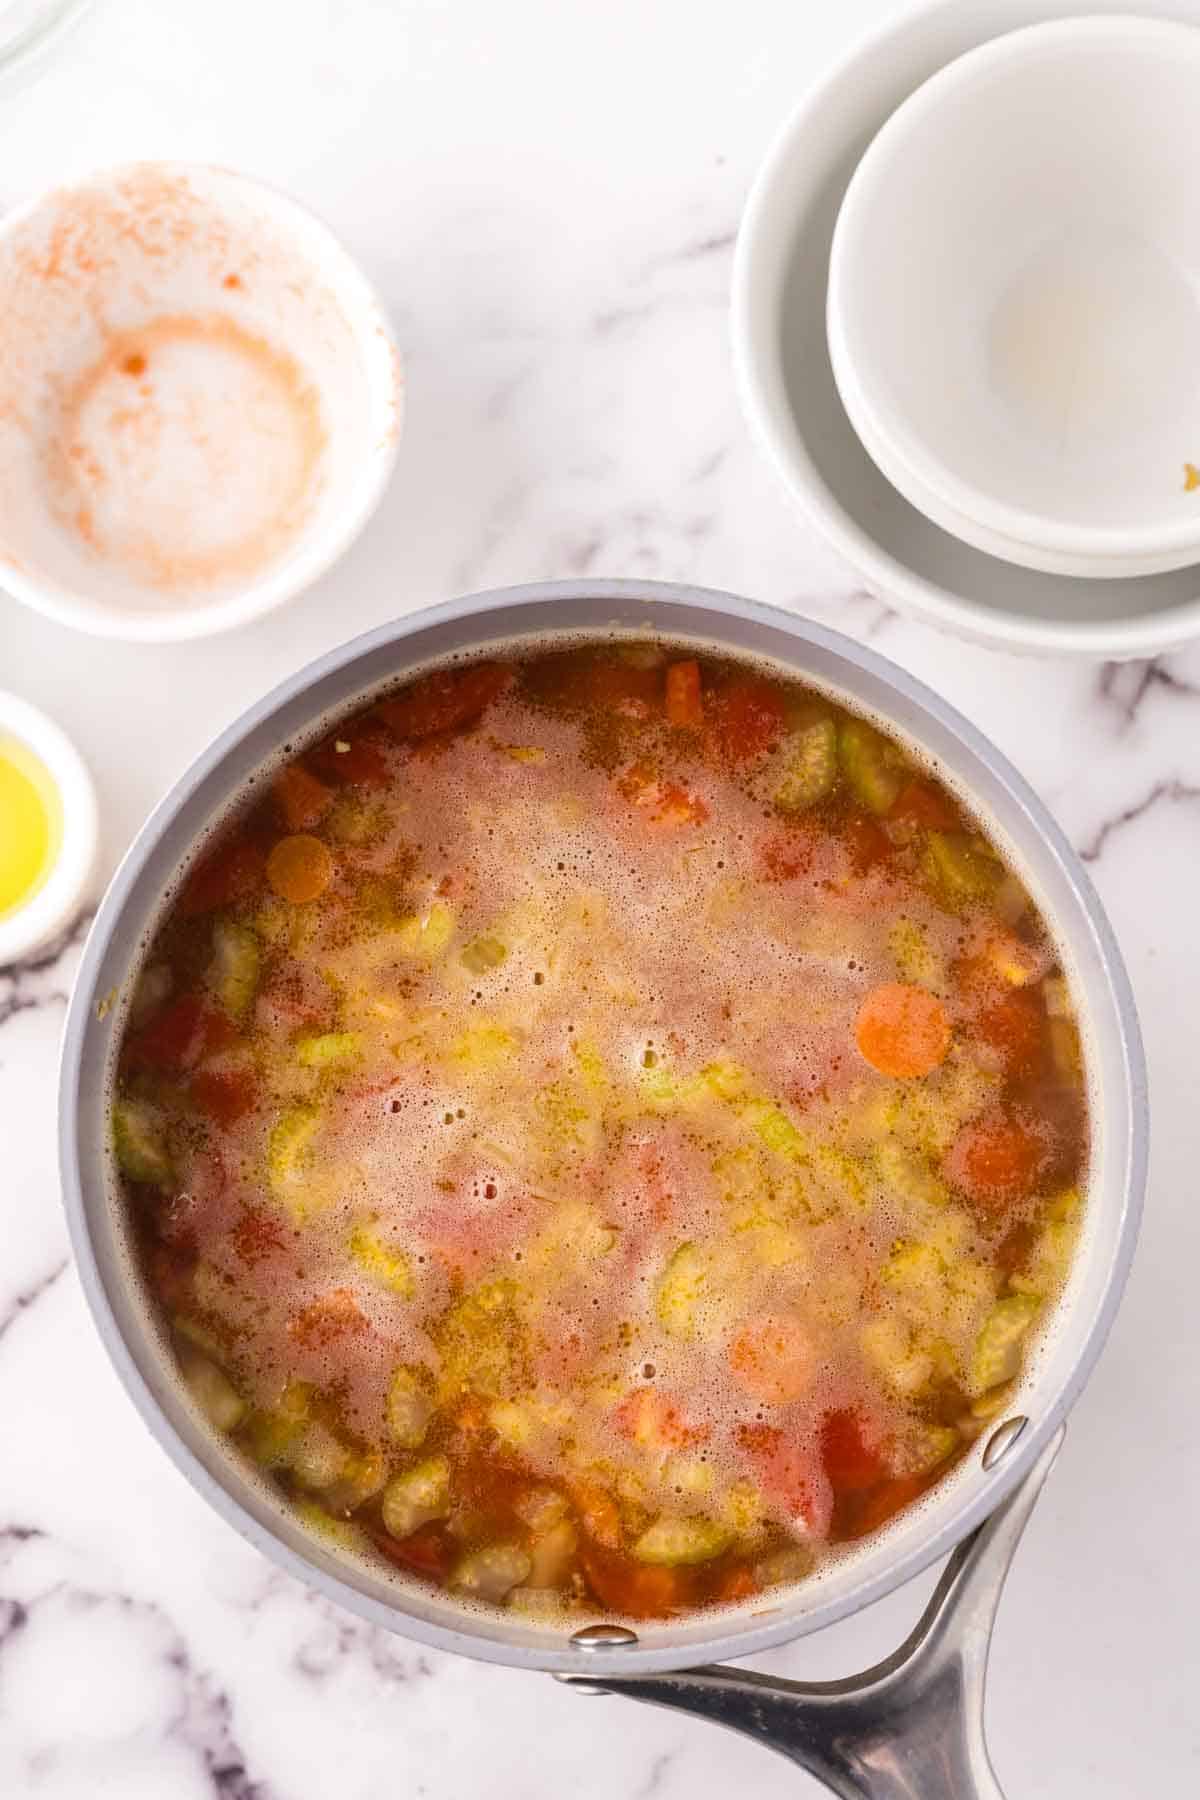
(274, 1435)
(900, 1354)
(1066, 1051)
(233, 971)
(482, 1344)
(491, 1573)
(340, 1532)
(511, 1422)
(426, 934)
(483, 1048)
(358, 1481)
(873, 766)
(328, 1049)
(742, 1508)
(482, 954)
(962, 867)
(907, 1173)
(682, 1289)
(212, 1391)
(1050, 1259)
(997, 1353)
(915, 957)
(383, 1262)
(772, 1127)
(319, 1458)
(673, 1541)
(355, 820)
(289, 1155)
(139, 1139)
(810, 766)
(409, 1408)
(422, 1493)
(541, 1606)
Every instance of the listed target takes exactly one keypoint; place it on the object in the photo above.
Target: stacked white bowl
(1014, 297)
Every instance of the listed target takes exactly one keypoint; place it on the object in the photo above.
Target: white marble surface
(547, 194)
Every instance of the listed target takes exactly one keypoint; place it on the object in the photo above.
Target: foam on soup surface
(603, 1130)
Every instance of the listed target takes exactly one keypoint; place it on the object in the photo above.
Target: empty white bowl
(200, 401)
(1014, 315)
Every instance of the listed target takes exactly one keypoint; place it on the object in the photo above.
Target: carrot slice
(683, 704)
(998, 1159)
(772, 1359)
(902, 1030)
(303, 801)
(300, 868)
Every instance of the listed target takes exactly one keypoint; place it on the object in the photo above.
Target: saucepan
(914, 1724)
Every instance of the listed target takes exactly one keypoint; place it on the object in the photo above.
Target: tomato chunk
(783, 1468)
(231, 874)
(638, 1590)
(447, 700)
(746, 718)
(351, 758)
(921, 803)
(1015, 1027)
(427, 1552)
(183, 1034)
(302, 799)
(224, 1094)
(850, 1462)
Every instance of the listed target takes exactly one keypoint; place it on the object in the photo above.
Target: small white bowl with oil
(1014, 297)
(48, 830)
(200, 401)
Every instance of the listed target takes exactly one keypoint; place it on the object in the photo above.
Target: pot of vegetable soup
(603, 1127)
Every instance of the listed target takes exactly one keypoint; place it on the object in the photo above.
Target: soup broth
(602, 1131)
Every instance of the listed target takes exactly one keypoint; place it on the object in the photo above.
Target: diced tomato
(746, 718)
(335, 1315)
(922, 803)
(257, 1235)
(867, 841)
(302, 799)
(850, 1462)
(637, 1590)
(623, 687)
(445, 701)
(598, 1511)
(736, 1583)
(785, 855)
(882, 1504)
(684, 707)
(352, 758)
(998, 1159)
(231, 874)
(666, 803)
(1015, 1027)
(224, 1094)
(653, 1419)
(427, 1552)
(185, 1032)
(783, 1468)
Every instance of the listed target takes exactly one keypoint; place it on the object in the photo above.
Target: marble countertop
(547, 195)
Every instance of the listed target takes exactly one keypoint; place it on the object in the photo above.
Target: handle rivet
(1003, 1439)
(603, 1637)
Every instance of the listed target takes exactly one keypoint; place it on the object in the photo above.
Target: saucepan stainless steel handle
(911, 1728)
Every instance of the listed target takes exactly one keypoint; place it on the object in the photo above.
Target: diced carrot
(902, 1030)
(1015, 1027)
(684, 706)
(448, 700)
(998, 1159)
(736, 1583)
(335, 1315)
(302, 799)
(773, 1359)
(231, 874)
(185, 1032)
(224, 1094)
(653, 1419)
(300, 868)
(867, 842)
(352, 758)
(746, 718)
(782, 1467)
(598, 1511)
(427, 1552)
(850, 1462)
(922, 803)
(636, 1590)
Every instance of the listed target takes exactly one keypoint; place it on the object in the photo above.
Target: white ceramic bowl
(200, 401)
(791, 400)
(1014, 323)
(56, 903)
